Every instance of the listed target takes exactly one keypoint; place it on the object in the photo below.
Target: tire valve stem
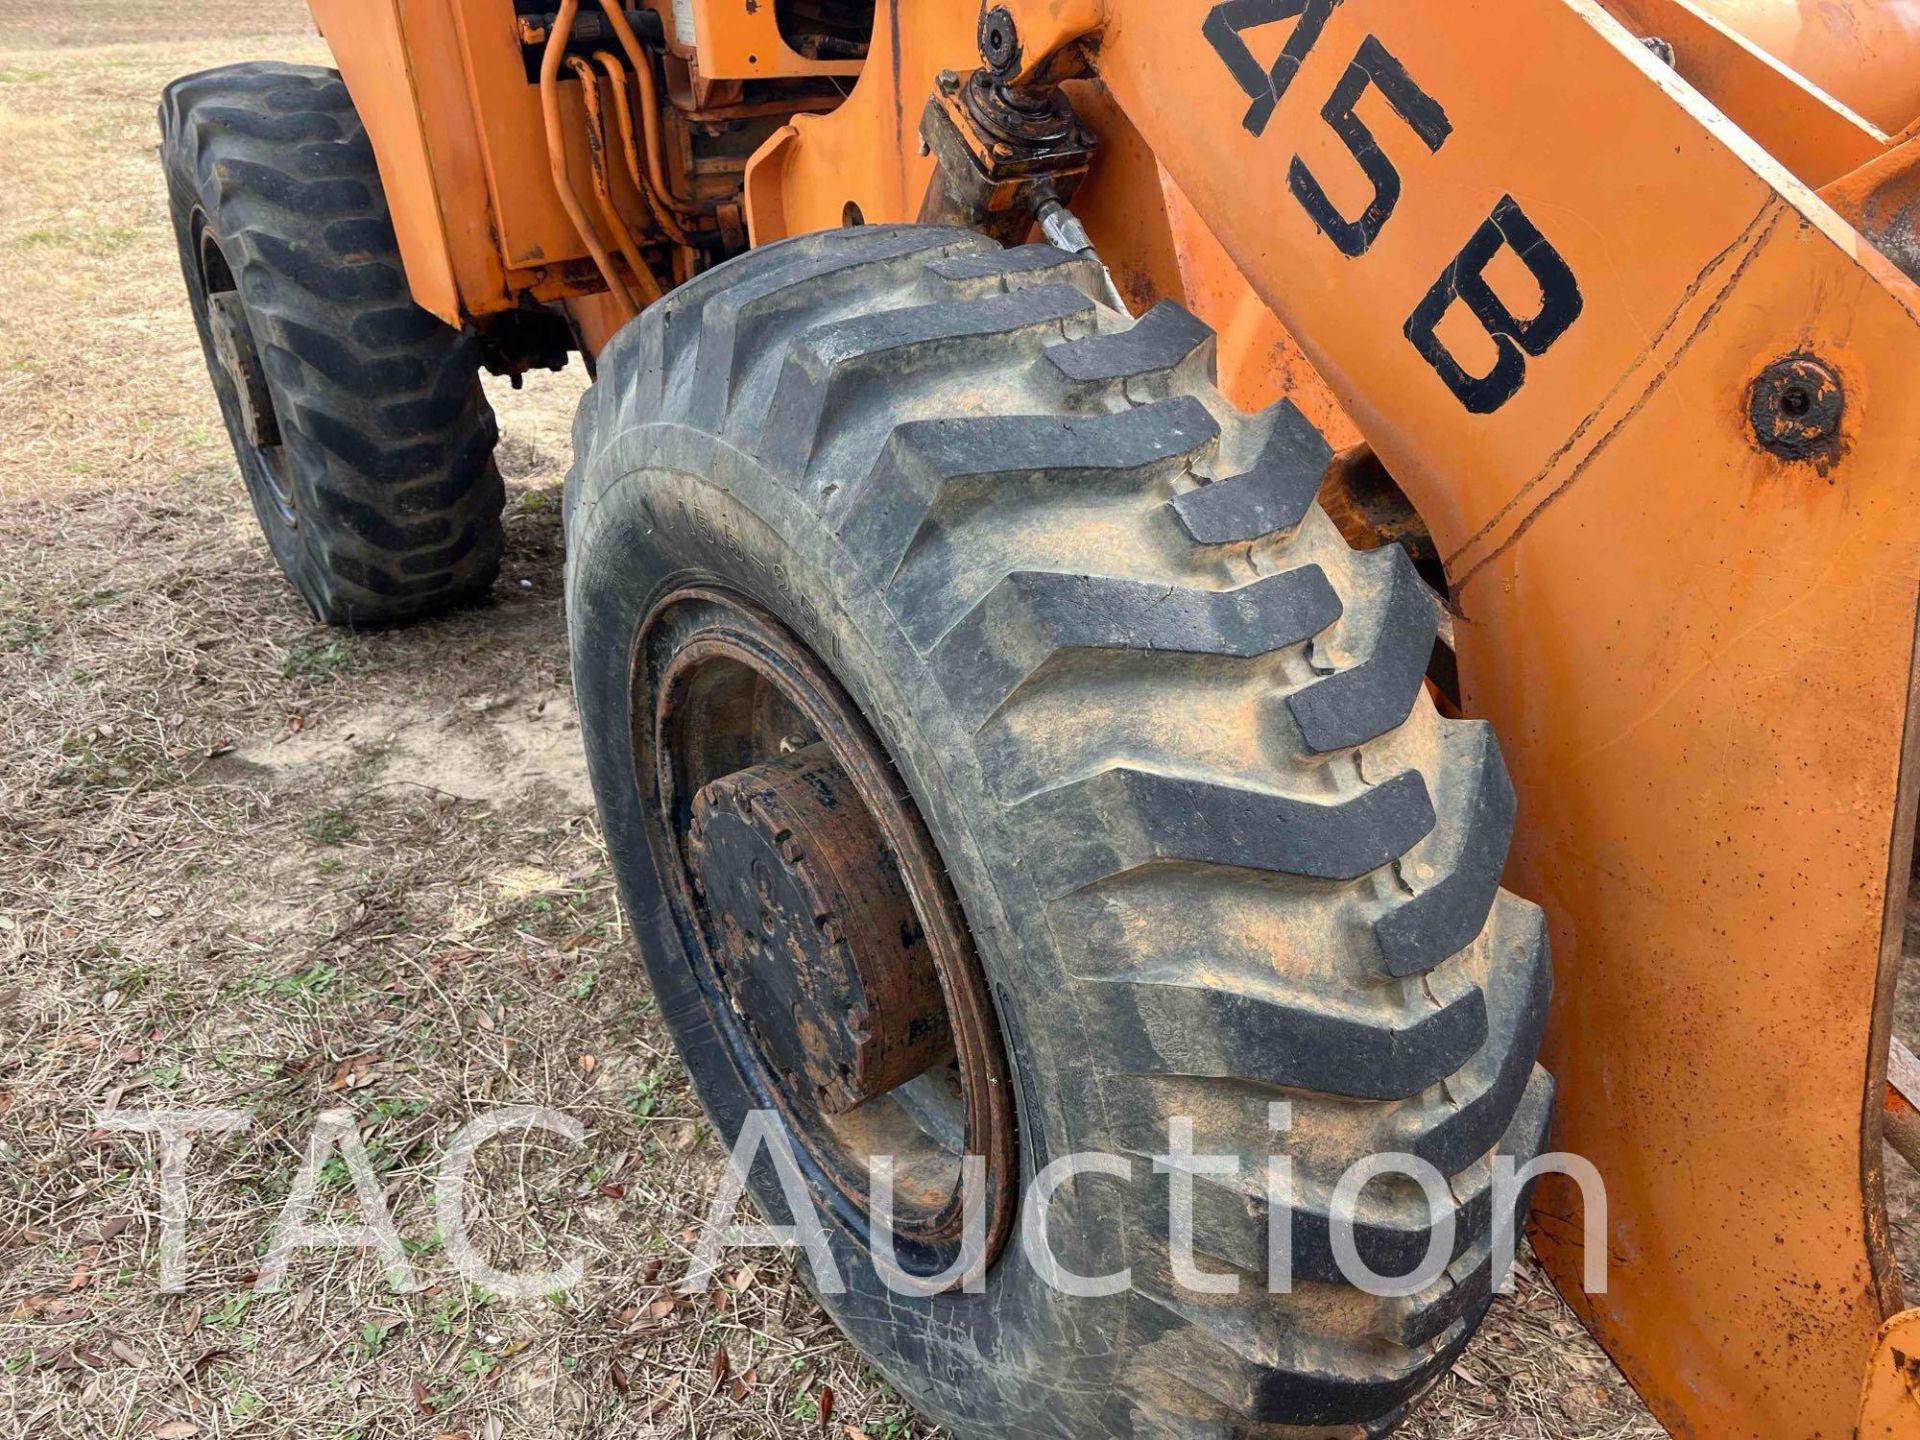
(1065, 232)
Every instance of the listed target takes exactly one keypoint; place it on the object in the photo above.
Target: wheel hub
(820, 949)
(239, 358)
(833, 961)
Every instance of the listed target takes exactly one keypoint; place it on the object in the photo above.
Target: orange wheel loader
(1058, 479)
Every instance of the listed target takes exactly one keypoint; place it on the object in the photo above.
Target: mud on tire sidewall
(703, 514)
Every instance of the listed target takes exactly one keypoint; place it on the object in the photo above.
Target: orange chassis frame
(1699, 656)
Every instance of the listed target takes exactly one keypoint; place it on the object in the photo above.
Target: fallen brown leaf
(205, 1361)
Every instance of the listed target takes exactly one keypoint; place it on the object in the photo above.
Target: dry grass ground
(251, 863)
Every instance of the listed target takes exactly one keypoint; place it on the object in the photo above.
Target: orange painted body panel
(457, 131)
(1777, 107)
(532, 225)
(1858, 51)
(737, 41)
(379, 49)
(867, 152)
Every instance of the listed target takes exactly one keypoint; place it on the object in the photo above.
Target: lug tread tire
(387, 436)
(1270, 868)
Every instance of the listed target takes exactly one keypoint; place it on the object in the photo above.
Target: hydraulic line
(617, 73)
(649, 112)
(557, 155)
(603, 182)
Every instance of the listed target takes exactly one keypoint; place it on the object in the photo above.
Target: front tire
(1213, 846)
(357, 418)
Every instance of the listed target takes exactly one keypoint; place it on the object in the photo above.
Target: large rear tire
(358, 419)
(1213, 846)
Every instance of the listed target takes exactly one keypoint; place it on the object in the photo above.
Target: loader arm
(1655, 399)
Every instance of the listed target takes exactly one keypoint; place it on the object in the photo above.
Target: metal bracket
(1002, 151)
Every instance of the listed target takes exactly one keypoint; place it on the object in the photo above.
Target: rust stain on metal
(822, 945)
(1796, 408)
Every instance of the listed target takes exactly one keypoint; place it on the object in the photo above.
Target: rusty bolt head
(948, 81)
(1796, 406)
(999, 42)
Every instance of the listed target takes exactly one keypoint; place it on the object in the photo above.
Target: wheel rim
(240, 376)
(771, 804)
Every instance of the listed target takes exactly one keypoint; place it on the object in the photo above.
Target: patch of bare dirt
(493, 748)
